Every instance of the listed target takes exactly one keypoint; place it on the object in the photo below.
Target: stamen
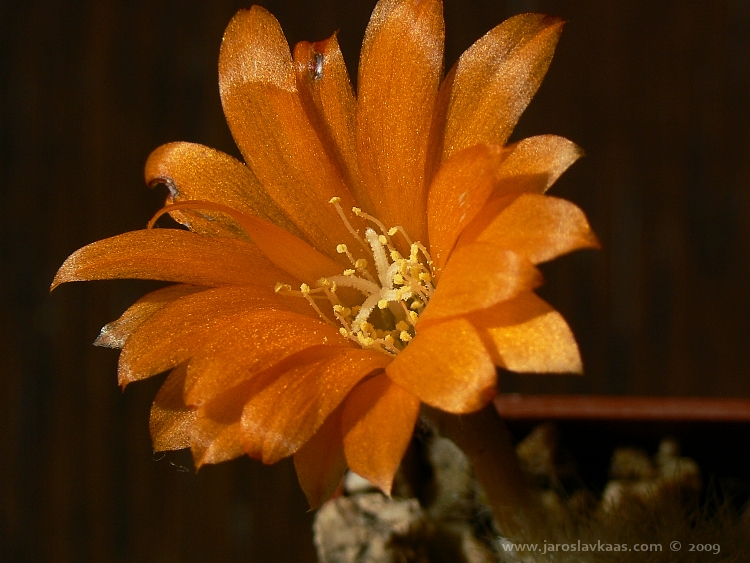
(359, 213)
(403, 234)
(402, 289)
(336, 202)
(305, 290)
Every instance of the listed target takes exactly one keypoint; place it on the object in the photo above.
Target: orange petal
(114, 334)
(457, 193)
(294, 398)
(171, 255)
(492, 83)
(178, 330)
(540, 228)
(263, 108)
(216, 434)
(478, 276)
(378, 423)
(535, 163)
(399, 73)
(320, 463)
(528, 335)
(532, 166)
(171, 419)
(196, 172)
(447, 366)
(250, 344)
(328, 99)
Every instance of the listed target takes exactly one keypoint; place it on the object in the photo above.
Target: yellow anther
(404, 336)
(425, 277)
(342, 249)
(396, 255)
(392, 231)
(282, 287)
(383, 304)
(357, 211)
(389, 340)
(398, 279)
(416, 304)
(414, 253)
(382, 239)
(344, 332)
(323, 282)
(349, 272)
(413, 316)
(360, 264)
(338, 309)
(305, 289)
(402, 326)
(335, 199)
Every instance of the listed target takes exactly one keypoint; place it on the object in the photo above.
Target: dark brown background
(657, 93)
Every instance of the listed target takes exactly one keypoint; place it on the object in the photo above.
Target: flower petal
(114, 334)
(447, 366)
(399, 73)
(485, 93)
(378, 422)
(178, 330)
(292, 400)
(328, 99)
(216, 434)
(535, 163)
(457, 193)
(286, 251)
(195, 172)
(264, 112)
(532, 166)
(250, 344)
(171, 419)
(320, 463)
(478, 276)
(528, 335)
(540, 228)
(171, 255)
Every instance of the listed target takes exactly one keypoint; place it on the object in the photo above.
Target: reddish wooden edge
(587, 407)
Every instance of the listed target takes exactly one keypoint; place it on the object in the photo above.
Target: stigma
(391, 289)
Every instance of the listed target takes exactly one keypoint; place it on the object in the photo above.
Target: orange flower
(373, 252)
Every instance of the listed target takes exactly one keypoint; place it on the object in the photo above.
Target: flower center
(390, 296)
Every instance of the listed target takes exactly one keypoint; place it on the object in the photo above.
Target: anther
(282, 287)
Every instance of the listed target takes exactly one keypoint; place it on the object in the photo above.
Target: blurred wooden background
(657, 94)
